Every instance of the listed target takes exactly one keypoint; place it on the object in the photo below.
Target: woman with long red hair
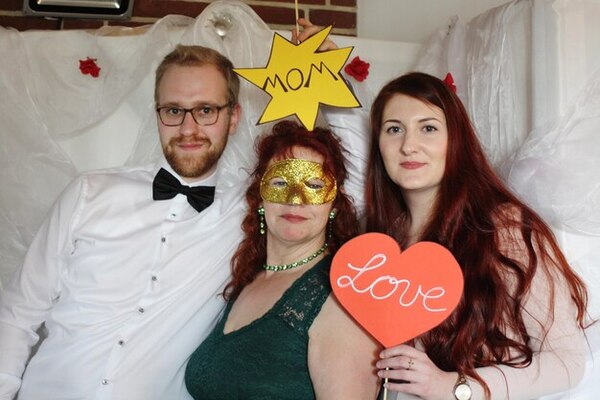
(283, 336)
(518, 330)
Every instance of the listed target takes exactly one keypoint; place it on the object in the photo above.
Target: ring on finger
(410, 363)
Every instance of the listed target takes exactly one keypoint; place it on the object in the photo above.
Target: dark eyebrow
(430, 119)
(393, 120)
(420, 121)
(200, 104)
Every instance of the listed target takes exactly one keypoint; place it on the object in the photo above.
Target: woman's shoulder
(507, 219)
(507, 214)
(353, 351)
(510, 230)
(521, 234)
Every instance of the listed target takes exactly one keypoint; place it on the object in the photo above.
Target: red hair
(279, 145)
(471, 208)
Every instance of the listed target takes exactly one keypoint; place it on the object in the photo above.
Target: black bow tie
(166, 186)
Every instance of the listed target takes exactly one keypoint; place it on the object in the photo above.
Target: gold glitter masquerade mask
(296, 181)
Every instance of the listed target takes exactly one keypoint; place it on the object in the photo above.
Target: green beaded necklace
(283, 267)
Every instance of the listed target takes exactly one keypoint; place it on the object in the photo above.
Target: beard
(197, 164)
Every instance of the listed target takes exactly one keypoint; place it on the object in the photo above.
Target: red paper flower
(449, 81)
(358, 69)
(89, 67)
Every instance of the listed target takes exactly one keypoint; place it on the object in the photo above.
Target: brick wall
(279, 14)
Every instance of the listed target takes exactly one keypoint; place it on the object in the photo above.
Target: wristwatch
(462, 390)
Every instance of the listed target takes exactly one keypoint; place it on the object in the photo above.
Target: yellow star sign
(299, 78)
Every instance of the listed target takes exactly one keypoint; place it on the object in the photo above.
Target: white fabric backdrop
(528, 71)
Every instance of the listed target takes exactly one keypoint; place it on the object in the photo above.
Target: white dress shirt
(127, 286)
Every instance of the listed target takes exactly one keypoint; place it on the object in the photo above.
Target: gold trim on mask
(296, 181)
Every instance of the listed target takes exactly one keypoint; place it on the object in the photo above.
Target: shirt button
(141, 310)
(154, 278)
(121, 342)
(173, 215)
(105, 381)
(163, 239)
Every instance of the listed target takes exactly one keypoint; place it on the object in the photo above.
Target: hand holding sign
(396, 295)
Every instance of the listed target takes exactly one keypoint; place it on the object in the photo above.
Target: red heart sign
(396, 296)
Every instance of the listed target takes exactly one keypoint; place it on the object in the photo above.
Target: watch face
(462, 392)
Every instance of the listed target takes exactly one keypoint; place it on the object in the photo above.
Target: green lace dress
(267, 359)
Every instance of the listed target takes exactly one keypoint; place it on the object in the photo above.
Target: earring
(261, 219)
(330, 225)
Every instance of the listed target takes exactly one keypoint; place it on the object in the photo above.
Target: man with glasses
(126, 270)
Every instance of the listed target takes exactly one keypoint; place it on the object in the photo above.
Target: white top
(128, 286)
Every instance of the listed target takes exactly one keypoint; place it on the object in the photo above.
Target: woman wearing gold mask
(283, 335)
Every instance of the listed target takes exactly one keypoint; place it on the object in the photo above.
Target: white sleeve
(352, 127)
(558, 344)
(31, 293)
(557, 365)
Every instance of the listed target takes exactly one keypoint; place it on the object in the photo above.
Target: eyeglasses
(203, 115)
